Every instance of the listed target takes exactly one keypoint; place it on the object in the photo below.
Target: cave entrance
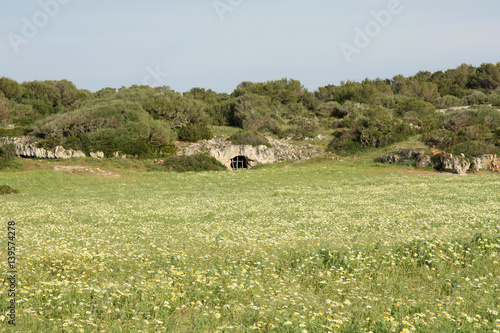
(239, 162)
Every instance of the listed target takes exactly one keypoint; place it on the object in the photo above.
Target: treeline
(144, 121)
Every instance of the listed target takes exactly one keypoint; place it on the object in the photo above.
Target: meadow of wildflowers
(315, 247)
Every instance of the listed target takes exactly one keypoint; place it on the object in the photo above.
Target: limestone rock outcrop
(412, 153)
(98, 154)
(392, 158)
(224, 150)
(487, 162)
(455, 164)
(25, 148)
(424, 162)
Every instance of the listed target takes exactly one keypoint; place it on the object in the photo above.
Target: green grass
(347, 246)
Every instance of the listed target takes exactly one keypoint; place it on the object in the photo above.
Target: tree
(282, 91)
(11, 89)
(4, 112)
(487, 77)
(106, 92)
(43, 96)
(67, 91)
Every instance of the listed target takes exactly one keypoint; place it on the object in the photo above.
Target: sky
(217, 44)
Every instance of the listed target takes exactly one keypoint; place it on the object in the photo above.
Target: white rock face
(487, 162)
(98, 154)
(455, 164)
(224, 150)
(254, 155)
(26, 149)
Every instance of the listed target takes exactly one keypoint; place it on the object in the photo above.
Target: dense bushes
(253, 112)
(249, 138)
(440, 138)
(368, 128)
(141, 120)
(14, 132)
(10, 88)
(474, 148)
(192, 163)
(108, 126)
(194, 133)
(345, 148)
(473, 132)
(8, 157)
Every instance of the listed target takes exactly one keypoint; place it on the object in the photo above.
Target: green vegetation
(317, 246)
(6, 189)
(192, 163)
(14, 132)
(8, 157)
(359, 116)
(249, 138)
(194, 133)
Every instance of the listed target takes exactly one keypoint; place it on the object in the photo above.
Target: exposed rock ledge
(25, 148)
(447, 162)
(224, 150)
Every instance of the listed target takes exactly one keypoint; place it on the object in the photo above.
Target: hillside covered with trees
(145, 121)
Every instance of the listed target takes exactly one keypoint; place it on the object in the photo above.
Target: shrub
(476, 133)
(440, 138)
(110, 140)
(249, 138)
(168, 150)
(448, 101)
(495, 99)
(279, 131)
(344, 148)
(193, 163)
(11, 88)
(253, 112)
(14, 132)
(474, 148)
(194, 133)
(475, 98)
(138, 148)
(5, 189)
(306, 127)
(8, 157)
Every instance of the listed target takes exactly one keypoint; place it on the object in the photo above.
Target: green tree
(4, 112)
(486, 76)
(67, 91)
(282, 91)
(11, 89)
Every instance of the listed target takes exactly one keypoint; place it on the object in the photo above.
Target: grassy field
(318, 246)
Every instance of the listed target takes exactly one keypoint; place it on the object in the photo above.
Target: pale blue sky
(114, 43)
